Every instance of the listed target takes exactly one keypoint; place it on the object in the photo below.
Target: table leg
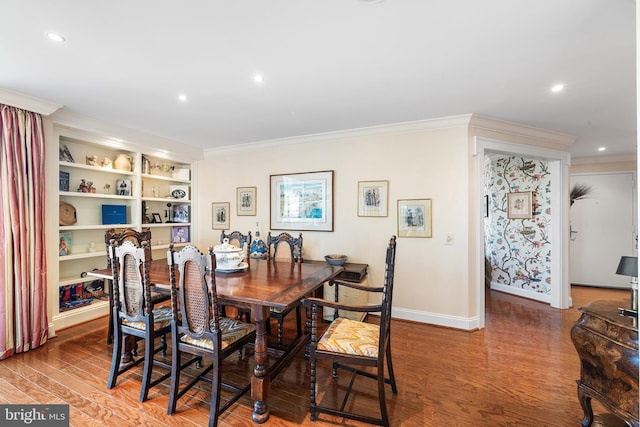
(260, 383)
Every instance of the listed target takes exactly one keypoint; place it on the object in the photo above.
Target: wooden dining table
(263, 285)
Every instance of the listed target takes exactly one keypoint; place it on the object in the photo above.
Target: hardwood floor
(519, 371)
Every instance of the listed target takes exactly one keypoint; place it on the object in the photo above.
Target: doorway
(603, 228)
(558, 165)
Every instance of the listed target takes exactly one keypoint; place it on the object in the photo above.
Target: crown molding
(405, 127)
(28, 102)
(564, 140)
(132, 138)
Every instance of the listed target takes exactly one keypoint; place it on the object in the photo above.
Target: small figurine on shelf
(83, 187)
(92, 160)
(107, 163)
(90, 187)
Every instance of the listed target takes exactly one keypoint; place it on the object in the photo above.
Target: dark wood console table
(607, 344)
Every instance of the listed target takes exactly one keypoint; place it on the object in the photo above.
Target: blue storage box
(114, 214)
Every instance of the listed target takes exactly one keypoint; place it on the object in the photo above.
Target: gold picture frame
(373, 198)
(520, 205)
(220, 215)
(246, 201)
(414, 218)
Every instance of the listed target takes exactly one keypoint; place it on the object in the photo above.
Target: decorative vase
(258, 248)
(122, 162)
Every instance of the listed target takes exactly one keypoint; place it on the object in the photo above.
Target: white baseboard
(456, 322)
(537, 296)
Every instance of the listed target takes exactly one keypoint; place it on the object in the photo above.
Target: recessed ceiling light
(182, 98)
(56, 37)
(602, 148)
(557, 88)
(258, 78)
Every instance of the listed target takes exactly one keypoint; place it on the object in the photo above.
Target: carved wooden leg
(260, 382)
(585, 401)
(128, 344)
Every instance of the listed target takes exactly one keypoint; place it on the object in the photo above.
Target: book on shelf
(64, 181)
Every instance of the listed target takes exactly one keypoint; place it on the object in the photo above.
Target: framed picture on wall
(373, 198)
(246, 201)
(220, 214)
(520, 205)
(414, 218)
(302, 201)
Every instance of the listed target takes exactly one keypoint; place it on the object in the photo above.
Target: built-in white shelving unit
(111, 184)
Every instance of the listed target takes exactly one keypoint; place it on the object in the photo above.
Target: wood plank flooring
(519, 371)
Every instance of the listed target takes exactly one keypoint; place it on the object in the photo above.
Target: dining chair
(295, 246)
(199, 331)
(238, 239)
(351, 345)
(134, 315)
(294, 254)
(121, 235)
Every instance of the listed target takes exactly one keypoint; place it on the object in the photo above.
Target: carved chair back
(131, 288)
(191, 295)
(121, 235)
(295, 246)
(237, 238)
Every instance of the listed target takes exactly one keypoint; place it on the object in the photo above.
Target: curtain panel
(23, 269)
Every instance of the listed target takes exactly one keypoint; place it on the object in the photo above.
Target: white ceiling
(328, 65)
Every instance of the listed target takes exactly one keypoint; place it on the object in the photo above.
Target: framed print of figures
(302, 201)
(520, 205)
(220, 213)
(414, 218)
(246, 201)
(373, 198)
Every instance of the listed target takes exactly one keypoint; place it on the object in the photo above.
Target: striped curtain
(23, 267)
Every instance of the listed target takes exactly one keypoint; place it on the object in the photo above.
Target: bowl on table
(336, 259)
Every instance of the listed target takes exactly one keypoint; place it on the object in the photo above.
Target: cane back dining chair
(134, 315)
(199, 331)
(121, 235)
(238, 239)
(294, 254)
(351, 344)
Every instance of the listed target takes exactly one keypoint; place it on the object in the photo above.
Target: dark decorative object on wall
(579, 191)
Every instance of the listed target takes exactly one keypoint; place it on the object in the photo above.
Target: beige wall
(432, 278)
(435, 283)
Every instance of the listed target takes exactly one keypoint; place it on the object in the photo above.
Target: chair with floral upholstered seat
(134, 315)
(351, 345)
(199, 331)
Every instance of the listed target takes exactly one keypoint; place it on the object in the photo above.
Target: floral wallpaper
(518, 250)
